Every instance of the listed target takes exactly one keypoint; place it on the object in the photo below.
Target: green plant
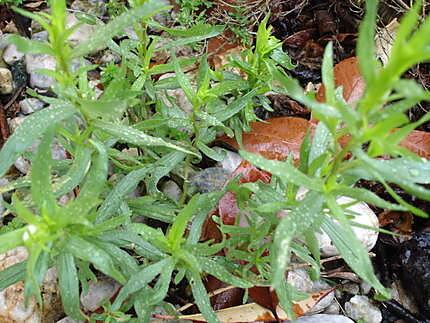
(10, 2)
(97, 228)
(192, 12)
(379, 123)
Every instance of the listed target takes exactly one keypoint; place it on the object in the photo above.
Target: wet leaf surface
(274, 139)
(347, 75)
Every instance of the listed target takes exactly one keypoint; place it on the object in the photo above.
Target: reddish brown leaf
(401, 221)
(300, 38)
(418, 142)
(347, 74)
(274, 139)
(227, 206)
(228, 298)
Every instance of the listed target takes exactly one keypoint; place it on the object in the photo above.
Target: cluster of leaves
(192, 12)
(97, 228)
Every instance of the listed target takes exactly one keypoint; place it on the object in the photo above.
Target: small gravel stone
(69, 320)
(82, 33)
(12, 306)
(323, 318)
(12, 55)
(351, 288)
(209, 180)
(171, 190)
(23, 165)
(231, 161)
(300, 279)
(365, 288)
(40, 36)
(333, 308)
(6, 81)
(94, 7)
(35, 62)
(360, 308)
(15, 123)
(110, 57)
(98, 292)
(363, 215)
(30, 105)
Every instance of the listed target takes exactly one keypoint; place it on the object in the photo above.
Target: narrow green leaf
(351, 249)
(32, 128)
(176, 232)
(212, 267)
(201, 298)
(296, 222)
(104, 33)
(368, 197)
(69, 285)
(25, 45)
(139, 281)
(366, 43)
(135, 137)
(41, 192)
(85, 250)
(76, 172)
(328, 74)
(113, 201)
(12, 275)
(285, 171)
(11, 240)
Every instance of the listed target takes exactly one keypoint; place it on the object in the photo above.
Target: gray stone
(12, 304)
(58, 152)
(34, 62)
(40, 36)
(15, 123)
(323, 318)
(12, 55)
(82, 33)
(360, 308)
(69, 320)
(99, 292)
(362, 214)
(30, 105)
(110, 57)
(351, 288)
(333, 308)
(6, 81)
(172, 190)
(365, 288)
(3, 41)
(93, 7)
(300, 279)
(209, 180)
(231, 161)
(23, 165)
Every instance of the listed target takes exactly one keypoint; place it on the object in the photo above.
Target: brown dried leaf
(253, 312)
(418, 142)
(347, 74)
(275, 138)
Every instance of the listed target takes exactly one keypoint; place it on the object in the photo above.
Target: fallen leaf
(227, 206)
(401, 221)
(274, 139)
(384, 40)
(418, 142)
(253, 312)
(303, 307)
(347, 74)
(227, 298)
